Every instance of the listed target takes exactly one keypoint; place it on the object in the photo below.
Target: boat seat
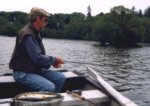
(9, 78)
(95, 96)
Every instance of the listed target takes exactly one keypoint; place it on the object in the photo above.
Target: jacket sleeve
(35, 53)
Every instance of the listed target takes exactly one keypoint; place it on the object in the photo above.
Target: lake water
(126, 69)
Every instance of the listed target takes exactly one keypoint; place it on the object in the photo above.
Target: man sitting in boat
(29, 61)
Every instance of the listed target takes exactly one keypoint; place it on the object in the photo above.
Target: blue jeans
(46, 80)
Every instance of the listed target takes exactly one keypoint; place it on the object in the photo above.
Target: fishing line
(77, 62)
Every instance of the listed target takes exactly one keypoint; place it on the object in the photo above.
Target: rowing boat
(94, 90)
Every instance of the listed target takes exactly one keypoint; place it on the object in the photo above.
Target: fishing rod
(80, 97)
(77, 62)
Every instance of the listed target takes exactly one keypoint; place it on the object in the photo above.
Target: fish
(35, 96)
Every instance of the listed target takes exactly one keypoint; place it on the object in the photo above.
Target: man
(30, 63)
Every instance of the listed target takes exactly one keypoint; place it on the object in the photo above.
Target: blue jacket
(30, 46)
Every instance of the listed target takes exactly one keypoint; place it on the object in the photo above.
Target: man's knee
(48, 88)
(51, 89)
(62, 78)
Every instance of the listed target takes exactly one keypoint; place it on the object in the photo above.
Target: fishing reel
(79, 92)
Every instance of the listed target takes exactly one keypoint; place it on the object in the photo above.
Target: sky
(70, 6)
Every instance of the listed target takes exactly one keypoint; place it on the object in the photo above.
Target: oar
(80, 97)
(88, 63)
(122, 100)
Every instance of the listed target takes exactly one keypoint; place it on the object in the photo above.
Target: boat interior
(9, 89)
(74, 82)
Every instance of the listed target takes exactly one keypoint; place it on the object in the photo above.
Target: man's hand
(58, 62)
(56, 65)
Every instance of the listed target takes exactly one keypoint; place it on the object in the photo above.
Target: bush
(9, 30)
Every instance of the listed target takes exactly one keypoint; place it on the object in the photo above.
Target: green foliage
(129, 26)
(77, 31)
(146, 25)
(147, 12)
(105, 30)
(49, 33)
(89, 12)
(12, 22)
(77, 17)
(121, 27)
(3, 21)
(9, 30)
(51, 23)
(140, 14)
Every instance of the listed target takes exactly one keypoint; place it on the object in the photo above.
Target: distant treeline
(121, 26)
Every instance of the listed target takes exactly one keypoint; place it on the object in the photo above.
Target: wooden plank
(6, 79)
(69, 74)
(122, 100)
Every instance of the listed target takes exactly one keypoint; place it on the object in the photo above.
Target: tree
(130, 26)
(106, 29)
(89, 12)
(120, 10)
(76, 30)
(51, 23)
(101, 14)
(146, 24)
(77, 17)
(9, 30)
(121, 27)
(3, 21)
(67, 19)
(133, 9)
(140, 13)
(147, 12)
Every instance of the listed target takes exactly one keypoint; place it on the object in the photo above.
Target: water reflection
(127, 69)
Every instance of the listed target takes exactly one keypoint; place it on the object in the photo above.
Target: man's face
(42, 22)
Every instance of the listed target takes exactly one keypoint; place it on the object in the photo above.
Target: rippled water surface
(126, 69)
